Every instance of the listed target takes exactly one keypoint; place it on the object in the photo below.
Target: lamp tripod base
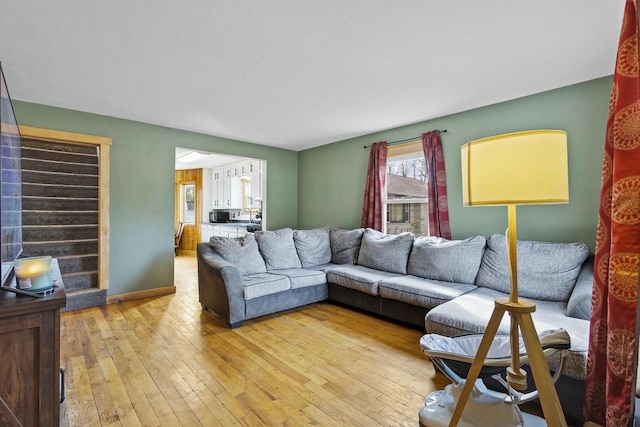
(521, 314)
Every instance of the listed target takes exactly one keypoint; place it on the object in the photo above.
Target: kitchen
(218, 195)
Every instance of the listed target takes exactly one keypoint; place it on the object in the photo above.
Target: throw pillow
(546, 271)
(345, 245)
(313, 246)
(455, 261)
(386, 253)
(241, 252)
(278, 249)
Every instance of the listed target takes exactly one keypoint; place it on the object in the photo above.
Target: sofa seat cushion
(546, 271)
(313, 246)
(302, 278)
(421, 292)
(470, 313)
(447, 260)
(323, 267)
(241, 252)
(384, 252)
(358, 277)
(261, 284)
(278, 249)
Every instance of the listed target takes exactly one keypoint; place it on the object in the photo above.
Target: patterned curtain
(373, 204)
(612, 342)
(437, 185)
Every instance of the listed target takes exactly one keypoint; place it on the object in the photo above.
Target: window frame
(183, 202)
(406, 151)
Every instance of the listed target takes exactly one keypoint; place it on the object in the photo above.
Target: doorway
(217, 182)
(188, 210)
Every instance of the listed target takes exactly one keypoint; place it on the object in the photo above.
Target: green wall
(325, 185)
(332, 177)
(142, 188)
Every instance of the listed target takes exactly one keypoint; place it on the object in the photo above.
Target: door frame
(103, 145)
(191, 233)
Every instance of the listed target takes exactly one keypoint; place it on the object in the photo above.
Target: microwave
(219, 216)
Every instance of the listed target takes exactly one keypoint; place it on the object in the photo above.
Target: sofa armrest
(579, 305)
(220, 286)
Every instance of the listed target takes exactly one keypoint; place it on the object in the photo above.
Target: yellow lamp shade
(518, 168)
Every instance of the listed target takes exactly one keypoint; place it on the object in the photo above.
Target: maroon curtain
(436, 185)
(610, 384)
(373, 204)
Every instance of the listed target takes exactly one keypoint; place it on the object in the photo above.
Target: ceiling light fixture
(191, 156)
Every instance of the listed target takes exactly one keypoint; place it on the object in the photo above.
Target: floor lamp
(522, 168)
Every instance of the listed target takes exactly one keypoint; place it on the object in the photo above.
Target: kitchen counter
(226, 229)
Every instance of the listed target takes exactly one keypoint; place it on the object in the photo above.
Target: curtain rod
(403, 140)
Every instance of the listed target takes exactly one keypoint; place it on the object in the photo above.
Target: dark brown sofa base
(375, 304)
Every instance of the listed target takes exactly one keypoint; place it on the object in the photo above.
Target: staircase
(60, 214)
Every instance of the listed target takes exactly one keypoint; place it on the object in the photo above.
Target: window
(406, 190)
(397, 213)
(188, 203)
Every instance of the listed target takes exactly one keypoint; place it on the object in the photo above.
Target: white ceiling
(299, 73)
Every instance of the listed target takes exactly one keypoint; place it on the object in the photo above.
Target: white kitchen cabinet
(239, 169)
(255, 165)
(226, 189)
(256, 187)
(232, 190)
(229, 230)
(244, 168)
(217, 189)
(206, 232)
(256, 182)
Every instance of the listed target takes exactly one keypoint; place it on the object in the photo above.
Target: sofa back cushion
(546, 271)
(241, 252)
(278, 249)
(345, 245)
(386, 253)
(313, 246)
(455, 261)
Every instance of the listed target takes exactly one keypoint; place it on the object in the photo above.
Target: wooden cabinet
(30, 355)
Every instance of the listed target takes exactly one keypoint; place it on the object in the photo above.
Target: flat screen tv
(10, 184)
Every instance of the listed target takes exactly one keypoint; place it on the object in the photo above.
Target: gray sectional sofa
(447, 287)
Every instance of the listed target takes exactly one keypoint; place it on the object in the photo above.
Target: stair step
(59, 218)
(56, 249)
(85, 298)
(60, 156)
(80, 280)
(40, 177)
(59, 167)
(52, 190)
(78, 263)
(58, 203)
(39, 233)
(64, 147)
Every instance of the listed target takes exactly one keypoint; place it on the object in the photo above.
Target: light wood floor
(165, 362)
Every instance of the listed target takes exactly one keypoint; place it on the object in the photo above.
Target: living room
(322, 184)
